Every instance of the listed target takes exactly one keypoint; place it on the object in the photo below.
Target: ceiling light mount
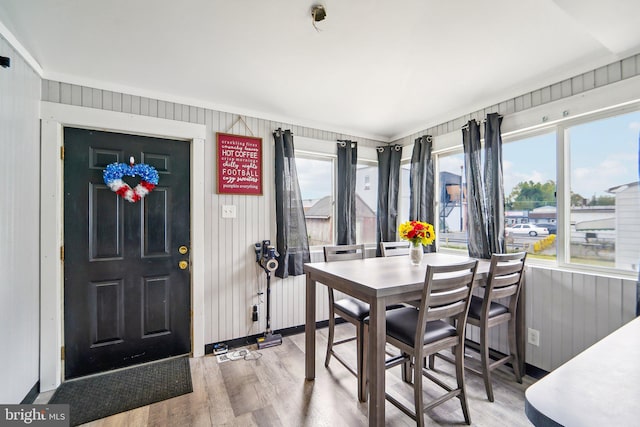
(318, 13)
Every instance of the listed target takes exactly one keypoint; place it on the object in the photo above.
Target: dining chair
(402, 247)
(352, 310)
(504, 283)
(420, 332)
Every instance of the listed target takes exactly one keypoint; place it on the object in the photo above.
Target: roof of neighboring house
(622, 187)
(322, 209)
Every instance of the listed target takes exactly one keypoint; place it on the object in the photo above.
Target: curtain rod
(466, 125)
(396, 147)
(344, 142)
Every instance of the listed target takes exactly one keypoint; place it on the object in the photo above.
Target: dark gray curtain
(493, 185)
(346, 215)
(291, 240)
(476, 224)
(421, 184)
(388, 184)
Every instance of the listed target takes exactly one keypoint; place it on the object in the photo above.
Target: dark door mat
(107, 394)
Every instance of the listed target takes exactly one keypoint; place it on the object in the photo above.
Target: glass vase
(416, 253)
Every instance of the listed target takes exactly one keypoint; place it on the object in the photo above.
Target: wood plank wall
(19, 230)
(571, 310)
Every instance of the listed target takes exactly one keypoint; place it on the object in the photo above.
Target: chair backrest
(447, 294)
(505, 279)
(343, 252)
(395, 248)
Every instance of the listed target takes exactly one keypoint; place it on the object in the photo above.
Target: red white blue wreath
(113, 178)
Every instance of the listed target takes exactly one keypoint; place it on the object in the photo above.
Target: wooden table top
(377, 277)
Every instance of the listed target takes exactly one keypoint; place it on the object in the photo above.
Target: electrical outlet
(533, 337)
(228, 211)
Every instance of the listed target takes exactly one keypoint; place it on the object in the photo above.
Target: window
(597, 225)
(452, 210)
(315, 176)
(529, 177)
(404, 193)
(366, 202)
(604, 196)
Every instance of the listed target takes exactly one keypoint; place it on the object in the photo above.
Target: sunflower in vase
(418, 233)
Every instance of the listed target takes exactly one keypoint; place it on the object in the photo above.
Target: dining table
(379, 282)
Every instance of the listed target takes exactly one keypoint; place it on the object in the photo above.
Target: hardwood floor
(272, 391)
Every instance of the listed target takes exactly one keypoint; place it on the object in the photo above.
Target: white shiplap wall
(232, 278)
(627, 227)
(571, 311)
(19, 219)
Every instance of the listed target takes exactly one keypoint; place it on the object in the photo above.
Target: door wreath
(114, 173)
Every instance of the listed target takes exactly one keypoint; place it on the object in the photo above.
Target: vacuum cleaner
(266, 257)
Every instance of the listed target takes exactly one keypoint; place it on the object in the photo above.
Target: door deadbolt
(183, 265)
(183, 250)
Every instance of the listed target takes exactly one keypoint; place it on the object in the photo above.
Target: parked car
(553, 228)
(526, 229)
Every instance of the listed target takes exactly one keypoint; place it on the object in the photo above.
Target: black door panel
(126, 301)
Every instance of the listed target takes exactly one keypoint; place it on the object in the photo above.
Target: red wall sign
(239, 164)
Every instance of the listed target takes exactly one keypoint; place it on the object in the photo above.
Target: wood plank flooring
(271, 391)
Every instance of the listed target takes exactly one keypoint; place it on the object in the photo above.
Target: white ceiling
(379, 69)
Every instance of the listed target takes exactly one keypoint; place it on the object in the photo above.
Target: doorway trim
(54, 117)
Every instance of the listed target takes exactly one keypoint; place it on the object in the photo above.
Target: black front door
(127, 299)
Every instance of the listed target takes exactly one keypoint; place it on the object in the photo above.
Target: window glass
(452, 233)
(403, 193)
(366, 202)
(315, 176)
(604, 220)
(529, 177)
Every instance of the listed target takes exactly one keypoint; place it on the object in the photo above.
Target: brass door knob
(183, 265)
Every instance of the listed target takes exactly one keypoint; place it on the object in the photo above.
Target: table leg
(310, 330)
(377, 334)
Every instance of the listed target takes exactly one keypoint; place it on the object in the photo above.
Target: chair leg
(332, 326)
(459, 352)
(417, 390)
(406, 369)
(361, 363)
(513, 349)
(485, 360)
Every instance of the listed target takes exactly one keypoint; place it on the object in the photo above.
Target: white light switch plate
(228, 211)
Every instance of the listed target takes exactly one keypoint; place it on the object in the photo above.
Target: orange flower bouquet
(417, 232)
